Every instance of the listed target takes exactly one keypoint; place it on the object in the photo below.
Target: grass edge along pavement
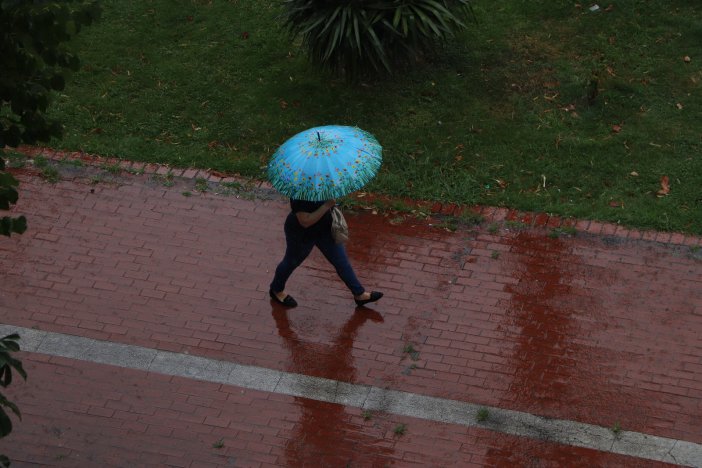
(539, 106)
(452, 214)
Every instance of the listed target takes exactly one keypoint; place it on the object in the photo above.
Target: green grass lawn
(504, 115)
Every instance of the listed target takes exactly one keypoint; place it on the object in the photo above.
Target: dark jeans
(299, 246)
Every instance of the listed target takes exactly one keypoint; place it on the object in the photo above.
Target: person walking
(309, 224)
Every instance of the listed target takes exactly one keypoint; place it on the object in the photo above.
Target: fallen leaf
(665, 187)
(634, 173)
(610, 7)
(245, 35)
(687, 59)
(616, 204)
(679, 106)
(616, 128)
(610, 70)
(501, 183)
(283, 104)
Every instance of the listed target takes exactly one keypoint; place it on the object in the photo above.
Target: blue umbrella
(325, 162)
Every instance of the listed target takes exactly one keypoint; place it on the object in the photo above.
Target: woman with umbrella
(314, 168)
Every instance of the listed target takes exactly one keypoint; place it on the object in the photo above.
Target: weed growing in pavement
(413, 353)
(471, 218)
(400, 429)
(219, 444)
(482, 415)
(232, 185)
(201, 184)
(449, 224)
(515, 225)
(51, 174)
(367, 415)
(72, 162)
(40, 162)
(493, 228)
(187, 194)
(112, 168)
(616, 429)
(165, 180)
(562, 231)
(495, 255)
(96, 179)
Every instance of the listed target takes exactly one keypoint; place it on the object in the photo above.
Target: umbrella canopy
(323, 163)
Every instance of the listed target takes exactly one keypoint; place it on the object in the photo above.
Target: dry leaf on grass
(665, 187)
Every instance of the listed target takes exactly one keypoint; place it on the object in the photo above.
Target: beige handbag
(340, 230)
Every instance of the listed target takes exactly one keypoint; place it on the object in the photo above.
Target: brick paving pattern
(598, 328)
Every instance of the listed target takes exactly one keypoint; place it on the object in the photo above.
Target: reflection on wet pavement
(325, 433)
(553, 367)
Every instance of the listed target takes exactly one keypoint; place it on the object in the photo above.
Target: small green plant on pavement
(413, 353)
(617, 429)
(482, 415)
(400, 429)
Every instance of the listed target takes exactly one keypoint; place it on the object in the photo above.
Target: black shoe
(287, 302)
(375, 295)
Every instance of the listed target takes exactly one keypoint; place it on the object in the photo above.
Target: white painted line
(506, 421)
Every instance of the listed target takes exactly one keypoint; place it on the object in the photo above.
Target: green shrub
(360, 37)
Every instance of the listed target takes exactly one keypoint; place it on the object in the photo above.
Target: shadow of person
(326, 434)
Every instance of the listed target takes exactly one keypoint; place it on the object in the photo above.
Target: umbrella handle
(319, 138)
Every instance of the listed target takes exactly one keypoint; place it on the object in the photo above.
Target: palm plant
(358, 37)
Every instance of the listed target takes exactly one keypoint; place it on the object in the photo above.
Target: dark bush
(354, 38)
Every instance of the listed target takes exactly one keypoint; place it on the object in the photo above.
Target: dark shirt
(321, 227)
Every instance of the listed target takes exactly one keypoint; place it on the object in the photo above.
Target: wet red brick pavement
(75, 415)
(593, 328)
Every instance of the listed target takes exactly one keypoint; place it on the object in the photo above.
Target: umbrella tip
(319, 137)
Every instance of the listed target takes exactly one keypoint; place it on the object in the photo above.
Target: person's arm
(308, 219)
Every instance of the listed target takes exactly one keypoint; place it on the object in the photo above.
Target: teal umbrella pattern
(326, 162)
